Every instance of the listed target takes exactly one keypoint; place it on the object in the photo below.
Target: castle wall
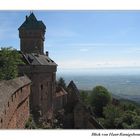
(77, 115)
(42, 89)
(83, 119)
(14, 111)
(43, 93)
(60, 99)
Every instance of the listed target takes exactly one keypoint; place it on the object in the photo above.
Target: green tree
(112, 116)
(61, 83)
(9, 61)
(128, 106)
(136, 124)
(99, 98)
(116, 118)
(84, 97)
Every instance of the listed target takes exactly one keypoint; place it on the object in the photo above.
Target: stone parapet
(14, 102)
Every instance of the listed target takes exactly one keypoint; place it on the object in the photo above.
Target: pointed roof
(31, 22)
(73, 86)
(73, 90)
(32, 17)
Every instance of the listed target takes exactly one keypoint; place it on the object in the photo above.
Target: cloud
(100, 45)
(84, 47)
(125, 31)
(84, 50)
(61, 33)
(133, 49)
(87, 64)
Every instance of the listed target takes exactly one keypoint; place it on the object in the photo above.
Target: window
(1, 120)
(41, 87)
(12, 98)
(8, 104)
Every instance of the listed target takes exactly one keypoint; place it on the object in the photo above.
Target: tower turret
(31, 34)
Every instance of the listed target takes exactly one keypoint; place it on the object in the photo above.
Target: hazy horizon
(100, 71)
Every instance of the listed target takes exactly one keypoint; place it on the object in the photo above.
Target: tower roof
(37, 59)
(32, 23)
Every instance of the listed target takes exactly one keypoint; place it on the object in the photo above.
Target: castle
(39, 67)
(35, 90)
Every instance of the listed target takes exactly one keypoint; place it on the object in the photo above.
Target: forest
(110, 112)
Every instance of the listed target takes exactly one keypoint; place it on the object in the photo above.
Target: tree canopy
(9, 61)
(99, 98)
(84, 97)
(61, 83)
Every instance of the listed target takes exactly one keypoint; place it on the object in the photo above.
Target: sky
(83, 41)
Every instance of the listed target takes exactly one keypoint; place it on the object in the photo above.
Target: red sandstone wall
(16, 111)
(42, 98)
(31, 38)
(60, 102)
(22, 114)
(43, 89)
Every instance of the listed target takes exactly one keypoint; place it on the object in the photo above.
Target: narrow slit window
(21, 89)
(41, 87)
(12, 98)
(1, 120)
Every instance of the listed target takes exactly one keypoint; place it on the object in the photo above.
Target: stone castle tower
(31, 34)
(38, 67)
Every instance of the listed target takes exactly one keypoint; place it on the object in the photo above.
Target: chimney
(47, 53)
